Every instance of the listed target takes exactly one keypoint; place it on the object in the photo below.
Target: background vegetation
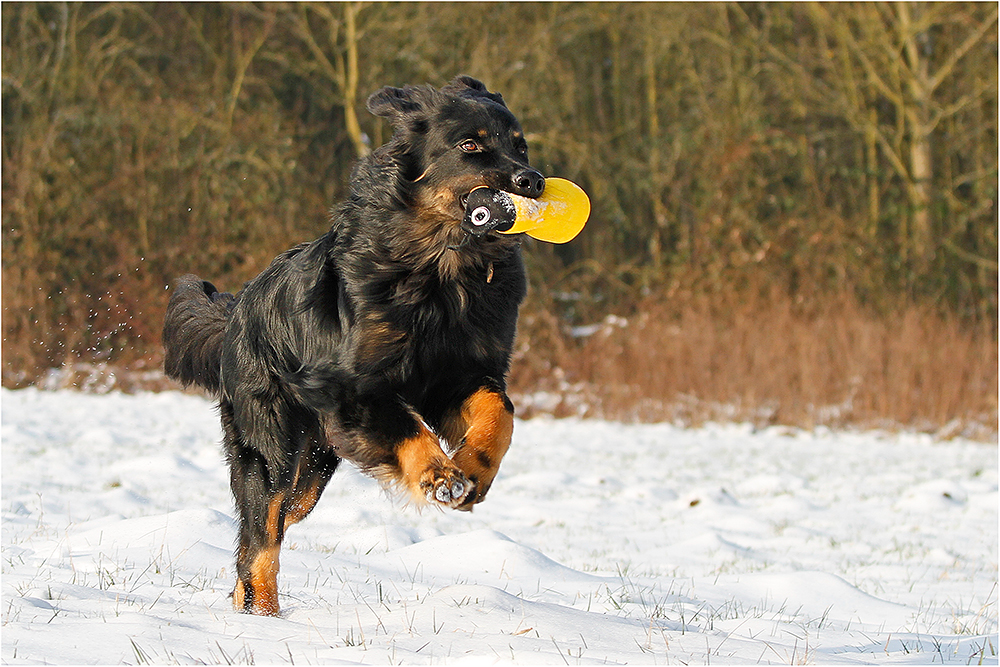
(795, 205)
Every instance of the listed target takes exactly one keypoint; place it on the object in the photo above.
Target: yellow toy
(557, 216)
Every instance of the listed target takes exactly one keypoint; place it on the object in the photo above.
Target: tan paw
(260, 603)
(444, 484)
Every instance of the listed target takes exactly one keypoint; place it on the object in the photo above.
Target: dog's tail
(193, 330)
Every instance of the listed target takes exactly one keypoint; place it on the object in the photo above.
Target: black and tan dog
(376, 343)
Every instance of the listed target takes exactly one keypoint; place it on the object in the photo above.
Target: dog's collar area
(465, 242)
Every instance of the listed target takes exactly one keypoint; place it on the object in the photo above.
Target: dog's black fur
(370, 343)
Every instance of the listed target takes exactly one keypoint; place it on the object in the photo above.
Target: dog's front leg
(427, 472)
(482, 427)
(390, 441)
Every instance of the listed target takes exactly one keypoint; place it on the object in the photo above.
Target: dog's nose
(528, 183)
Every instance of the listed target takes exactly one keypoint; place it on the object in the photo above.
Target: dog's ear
(465, 85)
(466, 81)
(397, 104)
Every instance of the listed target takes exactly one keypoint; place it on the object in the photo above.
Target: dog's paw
(444, 484)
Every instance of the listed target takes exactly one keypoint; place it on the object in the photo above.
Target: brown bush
(767, 359)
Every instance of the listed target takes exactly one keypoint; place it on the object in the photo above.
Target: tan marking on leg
(489, 426)
(274, 517)
(264, 568)
(239, 596)
(263, 591)
(302, 503)
(427, 472)
(264, 580)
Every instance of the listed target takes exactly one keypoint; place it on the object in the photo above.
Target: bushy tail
(193, 330)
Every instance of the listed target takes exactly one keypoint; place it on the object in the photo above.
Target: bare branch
(938, 78)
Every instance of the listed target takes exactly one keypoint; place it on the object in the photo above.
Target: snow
(599, 543)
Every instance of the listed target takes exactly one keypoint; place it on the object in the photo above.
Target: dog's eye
(470, 146)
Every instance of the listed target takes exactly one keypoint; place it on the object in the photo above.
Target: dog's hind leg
(482, 428)
(259, 507)
(269, 500)
(315, 465)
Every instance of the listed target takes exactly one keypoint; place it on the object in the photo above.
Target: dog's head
(450, 141)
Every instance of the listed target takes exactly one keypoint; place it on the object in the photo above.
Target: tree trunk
(351, 79)
(918, 119)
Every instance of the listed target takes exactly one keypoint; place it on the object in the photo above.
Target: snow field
(599, 543)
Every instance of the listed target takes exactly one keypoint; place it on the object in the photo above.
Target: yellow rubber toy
(556, 217)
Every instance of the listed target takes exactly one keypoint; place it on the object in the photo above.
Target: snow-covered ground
(599, 543)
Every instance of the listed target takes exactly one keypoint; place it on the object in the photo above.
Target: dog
(386, 342)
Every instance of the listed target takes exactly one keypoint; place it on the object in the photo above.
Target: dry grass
(688, 359)
(768, 360)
